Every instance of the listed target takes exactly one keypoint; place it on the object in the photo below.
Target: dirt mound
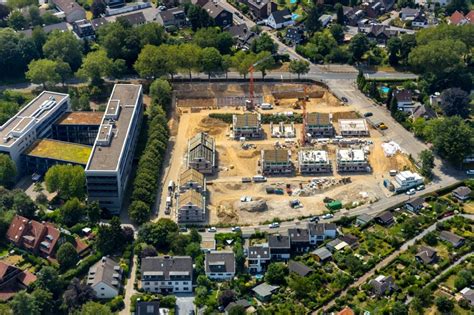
(211, 126)
(248, 154)
(252, 206)
(233, 186)
(343, 115)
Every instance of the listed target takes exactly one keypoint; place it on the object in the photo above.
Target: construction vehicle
(382, 126)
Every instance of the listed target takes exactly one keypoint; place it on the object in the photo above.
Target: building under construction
(276, 162)
(191, 207)
(283, 131)
(319, 125)
(313, 162)
(202, 153)
(352, 160)
(248, 126)
(353, 127)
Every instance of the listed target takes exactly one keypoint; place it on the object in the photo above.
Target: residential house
(279, 245)
(191, 207)
(202, 153)
(325, 19)
(191, 179)
(220, 265)
(83, 29)
(98, 23)
(462, 193)
(350, 239)
(199, 3)
(415, 205)
(38, 237)
(167, 274)
(13, 280)
(174, 17)
(258, 258)
(382, 285)
(260, 9)
(423, 111)
(222, 17)
(318, 232)
(379, 33)
(420, 20)
(336, 245)
(299, 239)
(458, 18)
(406, 180)
(60, 27)
(276, 162)
(294, 35)
(346, 311)
(404, 100)
(385, 218)
(363, 219)
(105, 278)
(408, 14)
(242, 36)
(300, 269)
(280, 19)
(426, 255)
(147, 308)
(72, 10)
(247, 126)
(353, 15)
(319, 125)
(322, 254)
(468, 295)
(134, 19)
(455, 240)
(263, 292)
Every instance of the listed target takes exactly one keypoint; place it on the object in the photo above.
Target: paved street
(184, 304)
(129, 290)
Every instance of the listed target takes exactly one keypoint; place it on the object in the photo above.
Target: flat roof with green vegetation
(60, 150)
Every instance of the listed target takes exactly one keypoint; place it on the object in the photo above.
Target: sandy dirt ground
(225, 188)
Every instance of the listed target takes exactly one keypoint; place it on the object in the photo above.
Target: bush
(116, 304)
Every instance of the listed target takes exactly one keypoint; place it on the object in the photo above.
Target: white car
(212, 230)
(421, 187)
(236, 229)
(411, 192)
(470, 172)
(328, 216)
(274, 225)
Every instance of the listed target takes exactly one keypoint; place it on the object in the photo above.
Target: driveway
(129, 290)
(184, 304)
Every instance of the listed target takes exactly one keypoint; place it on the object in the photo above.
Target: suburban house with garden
(105, 278)
(220, 265)
(167, 274)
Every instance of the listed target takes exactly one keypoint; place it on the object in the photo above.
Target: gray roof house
(220, 265)
(147, 308)
(299, 268)
(382, 284)
(105, 278)
(363, 219)
(468, 294)
(455, 240)
(167, 274)
(264, 291)
(426, 255)
(462, 193)
(415, 205)
(322, 254)
(72, 10)
(172, 17)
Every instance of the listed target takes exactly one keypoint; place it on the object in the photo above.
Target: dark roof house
(455, 240)
(462, 193)
(299, 268)
(385, 218)
(221, 16)
(415, 205)
(426, 255)
(71, 9)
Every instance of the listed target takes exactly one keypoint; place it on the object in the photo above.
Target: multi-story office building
(167, 274)
(31, 123)
(110, 162)
(78, 127)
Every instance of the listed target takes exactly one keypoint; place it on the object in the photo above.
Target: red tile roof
(12, 280)
(470, 16)
(346, 311)
(27, 278)
(33, 235)
(456, 18)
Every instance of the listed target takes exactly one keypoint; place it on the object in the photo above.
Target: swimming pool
(293, 1)
(385, 89)
(294, 16)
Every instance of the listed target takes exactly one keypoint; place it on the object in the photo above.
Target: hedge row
(266, 118)
(145, 185)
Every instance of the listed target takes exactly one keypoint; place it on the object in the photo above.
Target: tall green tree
(359, 45)
(276, 273)
(339, 14)
(7, 170)
(264, 62)
(211, 61)
(72, 212)
(43, 71)
(67, 256)
(94, 308)
(188, 58)
(120, 41)
(299, 67)
(455, 101)
(312, 22)
(426, 158)
(67, 180)
(95, 66)
(64, 46)
(24, 303)
(264, 43)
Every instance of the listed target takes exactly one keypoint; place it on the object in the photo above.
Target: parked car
(328, 216)
(411, 192)
(421, 187)
(368, 114)
(314, 219)
(236, 229)
(212, 229)
(344, 99)
(274, 225)
(470, 172)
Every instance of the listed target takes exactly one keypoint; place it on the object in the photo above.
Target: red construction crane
(250, 102)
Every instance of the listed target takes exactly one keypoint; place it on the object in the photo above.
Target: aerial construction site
(286, 152)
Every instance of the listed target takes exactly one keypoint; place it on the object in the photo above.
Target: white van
(393, 172)
(259, 179)
(266, 106)
(168, 202)
(171, 186)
